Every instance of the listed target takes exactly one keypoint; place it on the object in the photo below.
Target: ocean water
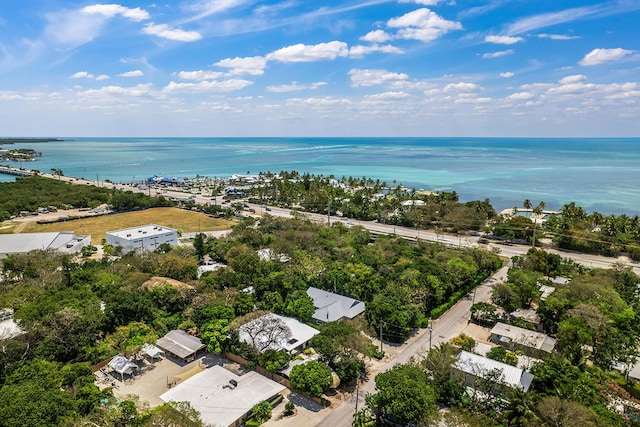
(598, 174)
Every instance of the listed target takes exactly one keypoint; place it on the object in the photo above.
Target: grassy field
(179, 219)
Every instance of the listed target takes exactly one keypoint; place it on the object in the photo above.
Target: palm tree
(526, 204)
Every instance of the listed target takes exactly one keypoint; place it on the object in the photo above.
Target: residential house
(472, 367)
(331, 307)
(535, 344)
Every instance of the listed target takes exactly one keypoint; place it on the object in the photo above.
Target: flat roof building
(64, 241)
(223, 398)
(143, 238)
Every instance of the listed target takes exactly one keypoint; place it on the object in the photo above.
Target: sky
(529, 68)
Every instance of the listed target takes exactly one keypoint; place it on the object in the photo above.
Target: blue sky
(330, 68)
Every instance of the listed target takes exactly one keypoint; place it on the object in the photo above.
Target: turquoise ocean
(598, 174)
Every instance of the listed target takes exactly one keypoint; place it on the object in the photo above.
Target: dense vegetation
(593, 317)
(78, 313)
(30, 193)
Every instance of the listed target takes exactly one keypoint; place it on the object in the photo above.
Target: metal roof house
(222, 397)
(471, 366)
(180, 344)
(331, 307)
(65, 242)
(143, 238)
(533, 343)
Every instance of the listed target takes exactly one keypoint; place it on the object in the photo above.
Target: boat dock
(15, 171)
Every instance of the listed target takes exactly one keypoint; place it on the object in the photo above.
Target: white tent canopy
(122, 365)
(152, 351)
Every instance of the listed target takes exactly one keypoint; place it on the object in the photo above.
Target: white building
(143, 238)
(271, 339)
(471, 366)
(223, 398)
(65, 242)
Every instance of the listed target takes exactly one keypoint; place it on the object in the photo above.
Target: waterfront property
(474, 369)
(223, 398)
(143, 238)
(65, 242)
(535, 344)
(331, 307)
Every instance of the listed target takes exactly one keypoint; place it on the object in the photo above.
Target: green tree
(313, 378)
(403, 395)
(261, 412)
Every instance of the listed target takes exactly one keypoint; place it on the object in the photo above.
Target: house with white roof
(471, 367)
(223, 398)
(22, 243)
(295, 342)
(331, 307)
(142, 238)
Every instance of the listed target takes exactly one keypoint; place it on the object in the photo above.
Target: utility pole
(381, 323)
(430, 332)
(328, 211)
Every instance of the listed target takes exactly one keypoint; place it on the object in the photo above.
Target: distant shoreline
(27, 140)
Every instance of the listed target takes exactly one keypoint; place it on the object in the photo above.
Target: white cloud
(251, 65)
(557, 36)
(360, 51)
(600, 56)
(166, 32)
(113, 10)
(502, 39)
(520, 96)
(374, 77)
(534, 22)
(422, 24)
(295, 87)
(310, 53)
(318, 102)
(135, 91)
(462, 87)
(199, 75)
(388, 96)
(133, 73)
(498, 54)
(82, 75)
(376, 36)
(572, 79)
(102, 77)
(423, 2)
(506, 74)
(208, 86)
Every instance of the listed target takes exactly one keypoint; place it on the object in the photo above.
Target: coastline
(597, 174)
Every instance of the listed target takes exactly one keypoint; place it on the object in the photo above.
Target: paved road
(449, 325)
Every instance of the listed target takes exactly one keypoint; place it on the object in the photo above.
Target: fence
(259, 369)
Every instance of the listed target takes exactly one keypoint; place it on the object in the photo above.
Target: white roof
(151, 351)
(412, 203)
(134, 232)
(483, 367)
(331, 307)
(9, 329)
(122, 365)
(26, 242)
(300, 333)
(219, 402)
(524, 337)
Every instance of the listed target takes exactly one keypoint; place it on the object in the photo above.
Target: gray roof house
(331, 307)
(180, 344)
(65, 241)
(471, 366)
(514, 338)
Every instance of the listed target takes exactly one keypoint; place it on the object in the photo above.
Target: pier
(15, 171)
